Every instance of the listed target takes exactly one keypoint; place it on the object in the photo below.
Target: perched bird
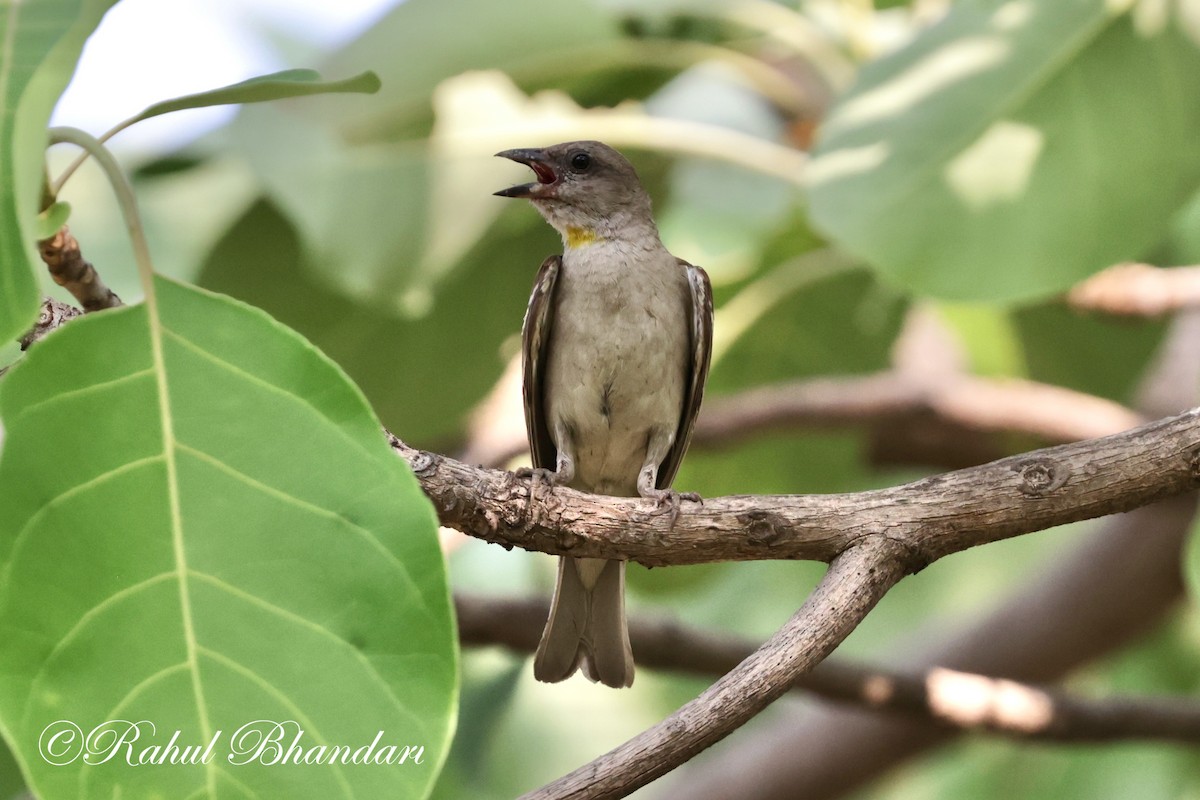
(616, 347)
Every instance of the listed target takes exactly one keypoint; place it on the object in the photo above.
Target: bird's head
(586, 190)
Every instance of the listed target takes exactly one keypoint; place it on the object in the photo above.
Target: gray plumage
(616, 346)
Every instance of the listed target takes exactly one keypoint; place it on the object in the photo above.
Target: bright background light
(148, 50)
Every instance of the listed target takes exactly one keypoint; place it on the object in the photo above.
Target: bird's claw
(669, 501)
(538, 475)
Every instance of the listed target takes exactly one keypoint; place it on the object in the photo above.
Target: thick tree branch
(1068, 616)
(855, 582)
(932, 517)
(953, 698)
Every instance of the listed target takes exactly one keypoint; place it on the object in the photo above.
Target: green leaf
(182, 213)
(487, 702)
(988, 336)
(1089, 353)
(12, 784)
(203, 526)
(40, 41)
(419, 43)
(52, 218)
(837, 322)
(1004, 154)
(1191, 564)
(276, 86)
(423, 374)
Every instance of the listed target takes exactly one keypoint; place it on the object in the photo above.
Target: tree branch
(871, 539)
(957, 699)
(1138, 290)
(1066, 617)
(962, 402)
(1091, 601)
(917, 523)
(855, 582)
(932, 517)
(73, 272)
(1007, 406)
(52, 314)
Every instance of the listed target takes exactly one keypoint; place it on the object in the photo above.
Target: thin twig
(126, 201)
(73, 272)
(52, 314)
(958, 699)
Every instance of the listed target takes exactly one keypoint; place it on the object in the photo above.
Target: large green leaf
(202, 526)
(1014, 148)
(40, 41)
(420, 43)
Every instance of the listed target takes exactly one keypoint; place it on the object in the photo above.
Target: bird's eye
(580, 162)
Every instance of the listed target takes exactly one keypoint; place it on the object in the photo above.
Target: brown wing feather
(701, 350)
(535, 336)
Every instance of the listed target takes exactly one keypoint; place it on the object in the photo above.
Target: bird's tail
(587, 625)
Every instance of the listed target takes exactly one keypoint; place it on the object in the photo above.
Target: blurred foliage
(1097, 355)
(1019, 128)
(986, 156)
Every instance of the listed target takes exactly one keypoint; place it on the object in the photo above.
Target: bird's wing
(535, 338)
(701, 351)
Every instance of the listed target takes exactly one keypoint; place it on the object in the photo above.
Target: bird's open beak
(537, 161)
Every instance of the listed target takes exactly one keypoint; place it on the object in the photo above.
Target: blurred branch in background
(957, 699)
(927, 409)
(553, 116)
(1138, 290)
(1052, 414)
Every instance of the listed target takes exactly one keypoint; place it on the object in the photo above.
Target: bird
(616, 346)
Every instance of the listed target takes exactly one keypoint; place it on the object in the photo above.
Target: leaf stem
(125, 197)
(57, 186)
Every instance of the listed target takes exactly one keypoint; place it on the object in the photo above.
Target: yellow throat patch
(580, 237)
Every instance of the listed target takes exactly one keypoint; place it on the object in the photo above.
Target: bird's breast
(617, 359)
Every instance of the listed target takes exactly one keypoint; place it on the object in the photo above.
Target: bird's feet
(669, 501)
(541, 475)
